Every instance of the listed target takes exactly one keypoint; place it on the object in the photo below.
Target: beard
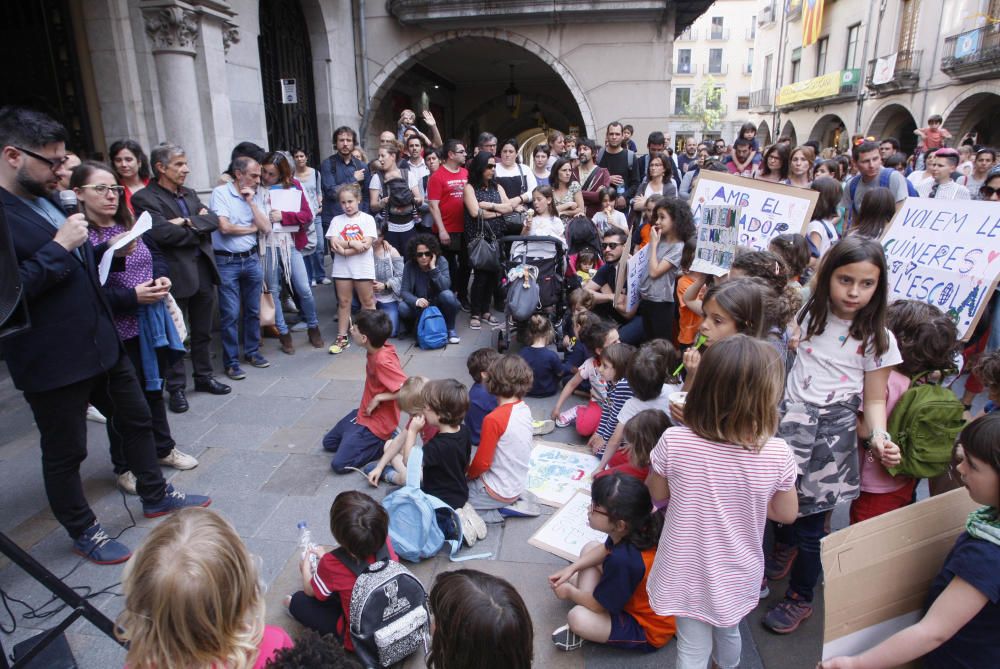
(36, 188)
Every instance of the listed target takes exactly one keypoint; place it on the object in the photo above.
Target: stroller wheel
(500, 342)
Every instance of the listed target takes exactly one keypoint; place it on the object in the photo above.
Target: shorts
(626, 632)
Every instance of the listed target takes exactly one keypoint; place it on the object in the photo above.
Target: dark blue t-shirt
(481, 402)
(977, 644)
(623, 570)
(547, 368)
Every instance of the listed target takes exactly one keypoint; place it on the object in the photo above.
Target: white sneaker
(326, 281)
(288, 306)
(126, 482)
(567, 417)
(95, 415)
(179, 460)
(539, 427)
(478, 524)
(468, 531)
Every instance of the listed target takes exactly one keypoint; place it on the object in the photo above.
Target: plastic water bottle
(620, 188)
(306, 544)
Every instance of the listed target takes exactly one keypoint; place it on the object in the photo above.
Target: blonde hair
(411, 399)
(192, 596)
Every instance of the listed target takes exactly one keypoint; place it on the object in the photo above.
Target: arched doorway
(467, 77)
(979, 112)
(788, 130)
(830, 131)
(286, 73)
(763, 134)
(894, 120)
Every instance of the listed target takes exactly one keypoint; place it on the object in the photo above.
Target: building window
(909, 14)
(852, 46)
(749, 68)
(766, 79)
(743, 102)
(683, 61)
(753, 27)
(716, 27)
(714, 98)
(682, 100)
(822, 46)
(715, 61)
(796, 62)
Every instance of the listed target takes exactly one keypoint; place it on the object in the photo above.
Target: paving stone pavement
(262, 463)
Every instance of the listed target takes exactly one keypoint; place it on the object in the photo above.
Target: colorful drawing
(555, 473)
(567, 531)
(717, 239)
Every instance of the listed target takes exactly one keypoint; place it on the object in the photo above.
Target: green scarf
(984, 524)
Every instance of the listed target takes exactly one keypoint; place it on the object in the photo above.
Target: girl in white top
(351, 237)
(822, 231)
(725, 474)
(543, 221)
(609, 217)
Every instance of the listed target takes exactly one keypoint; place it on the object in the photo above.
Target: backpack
(389, 614)
(523, 293)
(884, 177)
(581, 232)
(629, 157)
(413, 525)
(924, 424)
(432, 331)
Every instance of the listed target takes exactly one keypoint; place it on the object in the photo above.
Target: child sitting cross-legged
(596, 336)
(546, 367)
(390, 467)
(481, 401)
(498, 474)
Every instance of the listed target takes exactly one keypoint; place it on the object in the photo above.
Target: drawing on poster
(568, 531)
(718, 237)
(555, 473)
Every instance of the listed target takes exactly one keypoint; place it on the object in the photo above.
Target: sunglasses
(423, 254)
(610, 245)
(54, 163)
(988, 192)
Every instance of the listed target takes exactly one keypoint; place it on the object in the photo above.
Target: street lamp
(512, 96)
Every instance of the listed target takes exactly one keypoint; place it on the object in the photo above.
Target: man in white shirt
(940, 186)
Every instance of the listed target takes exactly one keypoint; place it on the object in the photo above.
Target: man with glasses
(445, 191)
(183, 227)
(602, 284)
(486, 142)
(71, 354)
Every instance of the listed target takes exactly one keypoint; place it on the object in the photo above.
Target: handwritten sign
(555, 472)
(718, 236)
(636, 269)
(567, 531)
(766, 209)
(945, 253)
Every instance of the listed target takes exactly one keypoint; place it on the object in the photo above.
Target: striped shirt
(709, 563)
(617, 396)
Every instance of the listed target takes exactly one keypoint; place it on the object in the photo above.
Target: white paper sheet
(142, 226)
(286, 199)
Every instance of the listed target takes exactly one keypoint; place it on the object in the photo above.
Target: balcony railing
(718, 35)
(689, 35)
(904, 75)
(722, 68)
(973, 53)
(685, 69)
(794, 12)
(762, 98)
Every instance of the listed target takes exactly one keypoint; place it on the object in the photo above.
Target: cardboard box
(877, 573)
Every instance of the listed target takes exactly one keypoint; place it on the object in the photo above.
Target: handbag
(484, 254)
(513, 222)
(176, 316)
(266, 306)
(523, 294)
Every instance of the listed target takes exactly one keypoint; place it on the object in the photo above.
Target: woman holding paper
(137, 294)
(282, 247)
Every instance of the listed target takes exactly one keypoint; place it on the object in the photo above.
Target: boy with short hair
(481, 402)
(932, 137)
(360, 435)
(941, 186)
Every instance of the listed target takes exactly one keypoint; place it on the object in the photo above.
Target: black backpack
(581, 233)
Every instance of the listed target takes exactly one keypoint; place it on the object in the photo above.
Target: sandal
(342, 343)
(475, 324)
(491, 319)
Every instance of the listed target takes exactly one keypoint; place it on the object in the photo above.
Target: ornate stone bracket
(172, 29)
(230, 35)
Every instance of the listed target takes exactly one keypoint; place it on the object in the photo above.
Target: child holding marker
(596, 337)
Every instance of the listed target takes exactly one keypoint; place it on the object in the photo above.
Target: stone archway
(763, 134)
(382, 82)
(978, 110)
(788, 130)
(894, 120)
(830, 131)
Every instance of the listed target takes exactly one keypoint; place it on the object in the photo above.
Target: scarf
(984, 524)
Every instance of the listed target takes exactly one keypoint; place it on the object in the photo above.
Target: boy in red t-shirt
(360, 435)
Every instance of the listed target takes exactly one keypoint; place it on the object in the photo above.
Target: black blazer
(72, 335)
(181, 245)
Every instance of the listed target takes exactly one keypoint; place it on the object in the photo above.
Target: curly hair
(927, 338)
(987, 369)
(422, 239)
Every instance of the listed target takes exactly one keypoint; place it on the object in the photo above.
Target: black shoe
(178, 402)
(212, 386)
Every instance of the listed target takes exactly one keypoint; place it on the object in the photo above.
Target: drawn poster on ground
(556, 473)
(766, 209)
(718, 236)
(567, 531)
(945, 253)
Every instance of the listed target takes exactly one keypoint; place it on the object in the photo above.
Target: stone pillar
(173, 30)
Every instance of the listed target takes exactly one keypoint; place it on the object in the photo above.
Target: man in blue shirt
(242, 211)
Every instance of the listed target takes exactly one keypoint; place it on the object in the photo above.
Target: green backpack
(925, 424)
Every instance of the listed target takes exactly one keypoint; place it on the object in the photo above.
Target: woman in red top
(131, 167)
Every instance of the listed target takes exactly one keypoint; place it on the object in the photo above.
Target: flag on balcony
(812, 21)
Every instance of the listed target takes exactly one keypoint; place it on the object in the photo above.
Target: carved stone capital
(230, 35)
(172, 29)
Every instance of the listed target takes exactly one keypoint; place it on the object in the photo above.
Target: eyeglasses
(104, 189)
(988, 192)
(593, 509)
(610, 245)
(423, 254)
(54, 163)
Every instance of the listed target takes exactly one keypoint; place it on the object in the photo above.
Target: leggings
(657, 319)
(588, 418)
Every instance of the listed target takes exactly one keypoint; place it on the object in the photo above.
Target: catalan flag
(812, 21)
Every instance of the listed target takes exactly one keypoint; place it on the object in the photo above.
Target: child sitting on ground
(546, 367)
(312, 650)
(360, 436)
(575, 351)
(498, 475)
(360, 526)
(579, 301)
(614, 363)
(639, 436)
(987, 370)
(481, 401)
(193, 598)
(390, 467)
(609, 591)
(595, 336)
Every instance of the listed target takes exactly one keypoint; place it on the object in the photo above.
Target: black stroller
(525, 258)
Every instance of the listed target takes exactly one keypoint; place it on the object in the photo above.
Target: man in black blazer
(182, 227)
(71, 355)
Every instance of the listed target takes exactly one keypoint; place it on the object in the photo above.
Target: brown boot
(315, 338)
(270, 331)
(286, 343)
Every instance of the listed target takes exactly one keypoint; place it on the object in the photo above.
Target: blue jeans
(352, 445)
(240, 286)
(300, 284)
(445, 301)
(391, 310)
(314, 261)
(805, 533)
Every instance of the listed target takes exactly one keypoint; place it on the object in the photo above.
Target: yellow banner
(810, 89)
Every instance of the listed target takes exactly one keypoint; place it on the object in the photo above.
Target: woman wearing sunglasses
(426, 282)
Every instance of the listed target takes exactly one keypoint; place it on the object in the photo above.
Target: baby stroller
(525, 260)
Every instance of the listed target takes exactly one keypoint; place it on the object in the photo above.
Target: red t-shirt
(334, 578)
(448, 188)
(385, 375)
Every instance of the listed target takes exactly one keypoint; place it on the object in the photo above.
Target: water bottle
(621, 189)
(306, 543)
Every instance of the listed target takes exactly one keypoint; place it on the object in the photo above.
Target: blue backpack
(432, 331)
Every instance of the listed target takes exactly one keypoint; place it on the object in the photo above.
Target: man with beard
(602, 284)
(593, 178)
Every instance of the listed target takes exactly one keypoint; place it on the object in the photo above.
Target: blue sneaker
(522, 508)
(173, 500)
(257, 360)
(95, 545)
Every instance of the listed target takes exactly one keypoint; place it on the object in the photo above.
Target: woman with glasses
(485, 204)
(774, 164)
(658, 181)
(131, 167)
(426, 282)
(137, 295)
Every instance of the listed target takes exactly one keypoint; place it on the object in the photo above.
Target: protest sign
(717, 239)
(945, 253)
(766, 209)
(555, 472)
(636, 270)
(567, 531)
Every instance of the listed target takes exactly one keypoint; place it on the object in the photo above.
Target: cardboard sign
(718, 237)
(556, 472)
(766, 209)
(878, 572)
(567, 531)
(636, 270)
(945, 253)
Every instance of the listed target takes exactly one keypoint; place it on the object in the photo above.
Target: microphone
(67, 198)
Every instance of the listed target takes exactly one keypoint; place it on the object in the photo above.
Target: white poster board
(636, 269)
(766, 209)
(286, 199)
(556, 472)
(945, 253)
(567, 531)
(141, 227)
(718, 236)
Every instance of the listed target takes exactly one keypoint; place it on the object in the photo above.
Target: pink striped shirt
(710, 560)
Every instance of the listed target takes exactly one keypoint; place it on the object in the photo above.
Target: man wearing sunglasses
(602, 284)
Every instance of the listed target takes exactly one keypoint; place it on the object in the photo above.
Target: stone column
(173, 30)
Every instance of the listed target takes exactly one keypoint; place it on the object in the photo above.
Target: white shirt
(949, 190)
(541, 226)
(359, 226)
(827, 232)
